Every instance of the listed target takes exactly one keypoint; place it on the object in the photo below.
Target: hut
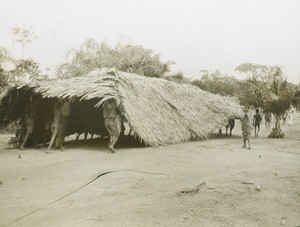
(159, 111)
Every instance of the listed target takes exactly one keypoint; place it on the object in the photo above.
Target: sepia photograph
(150, 113)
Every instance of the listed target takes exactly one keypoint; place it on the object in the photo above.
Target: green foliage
(253, 93)
(217, 83)
(284, 93)
(27, 67)
(257, 72)
(3, 80)
(256, 89)
(127, 58)
(5, 59)
(276, 133)
(296, 97)
(177, 77)
(23, 35)
(268, 88)
(265, 87)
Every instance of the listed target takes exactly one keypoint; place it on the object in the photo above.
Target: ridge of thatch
(159, 111)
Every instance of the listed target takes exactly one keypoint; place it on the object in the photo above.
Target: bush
(276, 133)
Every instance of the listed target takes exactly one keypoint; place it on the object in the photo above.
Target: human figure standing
(65, 114)
(55, 124)
(246, 130)
(112, 122)
(256, 122)
(30, 118)
(268, 120)
(284, 117)
(291, 115)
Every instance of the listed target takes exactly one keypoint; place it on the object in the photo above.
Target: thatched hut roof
(158, 111)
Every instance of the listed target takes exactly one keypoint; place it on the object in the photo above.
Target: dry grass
(160, 112)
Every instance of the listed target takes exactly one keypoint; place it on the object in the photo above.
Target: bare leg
(110, 145)
(19, 136)
(249, 147)
(54, 135)
(114, 141)
(24, 141)
(77, 136)
(255, 130)
(244, 140)
(62, 132)
(115, 138)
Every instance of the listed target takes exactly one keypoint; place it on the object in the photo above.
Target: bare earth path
(140, 186)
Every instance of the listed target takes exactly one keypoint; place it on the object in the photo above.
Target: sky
(196, 35)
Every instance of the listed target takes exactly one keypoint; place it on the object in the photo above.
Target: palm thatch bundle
(159, 111)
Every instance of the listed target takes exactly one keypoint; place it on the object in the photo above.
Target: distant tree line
(265, 86)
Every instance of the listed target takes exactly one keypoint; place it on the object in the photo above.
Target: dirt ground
(140, 186)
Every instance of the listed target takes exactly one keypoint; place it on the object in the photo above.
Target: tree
(256, 71)
(267, 87)
(26, 70)
(296, 98)
(7, 63)
(124, 57)
(24, 36)
(218, 83)
(279, 101)
(177, 77)
(256, 87)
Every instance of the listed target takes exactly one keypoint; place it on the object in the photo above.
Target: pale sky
(208, 34)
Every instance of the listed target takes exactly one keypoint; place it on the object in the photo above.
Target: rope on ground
(132, 170)
(81, 187)
(86, 184)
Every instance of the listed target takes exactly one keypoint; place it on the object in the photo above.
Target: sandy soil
(141, 186)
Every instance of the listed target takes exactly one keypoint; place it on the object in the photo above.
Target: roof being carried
(159, 111)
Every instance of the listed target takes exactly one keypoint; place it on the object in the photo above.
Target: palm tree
(23, 36)
(123, 57)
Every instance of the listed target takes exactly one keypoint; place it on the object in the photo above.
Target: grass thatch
(159, 111)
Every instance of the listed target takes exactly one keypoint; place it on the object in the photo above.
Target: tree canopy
(23, 35)
(265, 87)
(27, 70)
(7, 63)
(218, 83)
(124, 57)
(13, 70)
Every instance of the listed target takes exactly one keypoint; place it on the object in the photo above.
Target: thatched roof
(159, 111)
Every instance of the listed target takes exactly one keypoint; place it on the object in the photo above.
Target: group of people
(247, 125)
(57, 125)
(113, 123)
